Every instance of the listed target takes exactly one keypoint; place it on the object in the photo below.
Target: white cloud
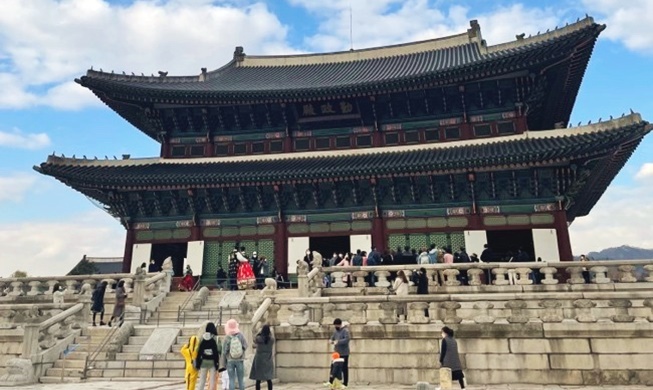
(627, 21)
(53, 248)
(19, 140)
(384, 22)
(645, 172)
(44, 44)
(621, 217)
(14, 187)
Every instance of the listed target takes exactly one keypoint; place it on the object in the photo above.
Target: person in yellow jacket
(189, 352)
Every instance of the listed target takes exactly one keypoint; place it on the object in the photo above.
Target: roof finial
(162, 73)
(631, 111)
(351, 28)
(239, 54)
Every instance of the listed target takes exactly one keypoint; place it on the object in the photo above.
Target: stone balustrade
(12, 288)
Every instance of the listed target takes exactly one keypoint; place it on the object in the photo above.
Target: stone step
(52, 380)
(129, 348)
(127, 356)
(67, 372)
(138, 339)
(69, 363)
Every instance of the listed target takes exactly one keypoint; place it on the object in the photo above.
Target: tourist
(281, 282)
(58, 294)
(449, 357)
(233, 271)
(448, 257)
(98, 302)
(187, 283)
(334, 260)
(233, 349)
(308, 259)
(462, 257)
(262, 365)
(346, 277)
(221, 278)
(208, 357)
(340, 341)
(357, 260)
(400, 288)
(336, 372)
(586, 272)
(423, 285)
(143, 268)
(189, 352)
(119, 308)
(245, 277)
(433, 254)
(152, 268)
(262, 272)
(423, 258)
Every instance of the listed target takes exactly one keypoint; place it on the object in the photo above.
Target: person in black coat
(423, 285)
(233, 271)
(98, 302)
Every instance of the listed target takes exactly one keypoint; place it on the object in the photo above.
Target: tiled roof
(367, 70)
(542, 147)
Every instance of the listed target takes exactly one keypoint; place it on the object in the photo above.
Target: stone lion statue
(317, 260)
(19, 372)
(302, 267)
(270, 286)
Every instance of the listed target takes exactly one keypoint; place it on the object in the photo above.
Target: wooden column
(196, 233)
(129, 247)
(562, 231)
(281, 248)
(378, 234)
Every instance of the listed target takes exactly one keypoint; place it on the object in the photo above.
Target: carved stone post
(316, 312)
(500, 277)
(34, 288)
(649, 271)
(600, 275)
(51, 284)
(382, 279)
(302, 282)
(450, 313)
(327, 313)
(299, 316)
(359, 278)
(337, 281)
(474, 276)
(517, 312)
(16, 289)
(139, 290)
(549, 276)
(432, 275)
(389, 313)
(359, 313)
(621, 310)
(484, 316)
(552, 310)
(451, 277)
(85, 314)
(627, 274)
(524, 276)
(584, 310)
(416, 312)
(445, 379)
(649, 303)
(434, 311)
(273, 315)
(71, 287)
(575, 275)
(30, 340)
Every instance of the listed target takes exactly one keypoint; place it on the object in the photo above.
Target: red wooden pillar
(281, 247)
(129, 247)
(562, 231)
(378, 234)
(195, 233)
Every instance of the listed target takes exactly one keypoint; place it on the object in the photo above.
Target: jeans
(203, 371)
(236, 370)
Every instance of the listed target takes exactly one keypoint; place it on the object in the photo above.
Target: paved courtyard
(153, 385)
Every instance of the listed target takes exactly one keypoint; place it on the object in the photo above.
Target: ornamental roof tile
(542, 147)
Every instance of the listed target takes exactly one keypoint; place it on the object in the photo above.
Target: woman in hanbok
(188, 282)
(245, 277)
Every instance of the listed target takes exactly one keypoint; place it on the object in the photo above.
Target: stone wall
(11, 346)
(568, 353)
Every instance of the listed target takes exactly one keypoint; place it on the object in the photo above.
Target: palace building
(449, 141)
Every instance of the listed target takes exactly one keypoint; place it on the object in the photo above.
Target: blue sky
(46, 227)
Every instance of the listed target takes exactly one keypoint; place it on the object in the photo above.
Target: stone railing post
(382, 279)
(484, 316)
(336, 279)
(451, 276)
(417, 311)
(16, 289)
(451, 312)
(627, 274)
(584, 310)
(327, 313)
(359, 278)
(600, 275)
(649, 303)
(302, 285)
(85, 314)
(299, 314)
(517, 314)
(359, 313)
(30, 340)
(139, 290)
(500, 277)
(433, 277)
(552, 310)
(389, 312)
(649, 271)
(51, 284)
(34, 288)
(71, 286)
(474, 275)
(575, 275)
(524, 276)
(621, 310)
(549, 276)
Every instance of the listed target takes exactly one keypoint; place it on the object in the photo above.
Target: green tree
(84, 267)
(19, 274)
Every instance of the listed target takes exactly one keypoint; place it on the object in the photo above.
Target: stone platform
(151, 385)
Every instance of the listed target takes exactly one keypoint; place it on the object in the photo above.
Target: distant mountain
(624, 252)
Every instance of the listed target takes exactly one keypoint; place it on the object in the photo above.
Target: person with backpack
(234, 348)
(208, 357)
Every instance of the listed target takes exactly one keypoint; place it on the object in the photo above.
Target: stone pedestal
(416, 311)
(500, 277)
(649, 270)
(575, 275)
(484, 316)
(337, 281)
(549, 276)
(389, 312)
(445, 379)
(382, 279)
(584, 310)
(451, 277)
(621, 310)
(474, 276)
(358, 313)
(600, 275)
(451, 315)
(524, 276)
(299, 316)
(627, 274)
(552, 311)
(517, 313)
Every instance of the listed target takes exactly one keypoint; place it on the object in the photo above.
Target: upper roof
(357, 71)
(612, 141)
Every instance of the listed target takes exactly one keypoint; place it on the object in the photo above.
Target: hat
(335, 356)
(231, 327)
(254, 252)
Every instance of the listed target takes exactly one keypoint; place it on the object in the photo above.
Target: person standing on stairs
(208, 357)
(449, 357)
(340, 341)
(119, 308)
(98, 302)
(189, 352)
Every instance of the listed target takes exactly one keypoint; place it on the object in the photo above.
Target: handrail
(61, 316)
(92, 357)
(155, 278)
(194, 291)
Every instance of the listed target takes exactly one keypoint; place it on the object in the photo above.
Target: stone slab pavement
(156, 385)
